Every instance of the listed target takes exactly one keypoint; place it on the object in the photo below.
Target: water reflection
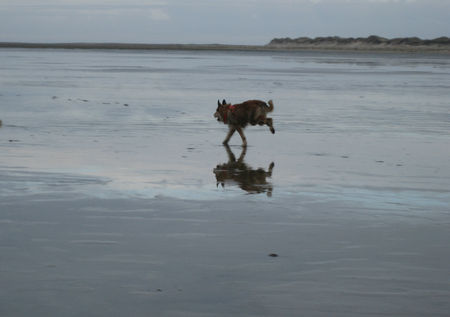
(237, 172)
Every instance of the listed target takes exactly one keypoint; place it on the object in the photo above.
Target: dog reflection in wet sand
(253, 181)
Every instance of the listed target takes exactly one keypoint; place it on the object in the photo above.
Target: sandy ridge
(371, 43)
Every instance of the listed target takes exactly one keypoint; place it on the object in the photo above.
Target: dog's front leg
(229, 135)
(241, 133)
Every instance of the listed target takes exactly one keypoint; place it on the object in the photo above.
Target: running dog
(238, 116)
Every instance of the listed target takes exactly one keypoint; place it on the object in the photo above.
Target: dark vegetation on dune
(372, 40)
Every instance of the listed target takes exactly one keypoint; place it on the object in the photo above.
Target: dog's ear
(218, 102)
(224, 102)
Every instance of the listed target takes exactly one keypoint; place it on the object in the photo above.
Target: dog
(238, 116)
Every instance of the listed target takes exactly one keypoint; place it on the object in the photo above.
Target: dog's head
(221, 110)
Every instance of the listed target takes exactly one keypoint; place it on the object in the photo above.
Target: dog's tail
(270, 102)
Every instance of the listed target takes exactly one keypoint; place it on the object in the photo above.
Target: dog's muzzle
(218, 116)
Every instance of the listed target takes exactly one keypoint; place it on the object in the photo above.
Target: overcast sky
(220, 21)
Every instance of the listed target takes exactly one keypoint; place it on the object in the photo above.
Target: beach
(118, 198)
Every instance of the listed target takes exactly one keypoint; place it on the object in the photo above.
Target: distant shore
(371, 43)
(131, 46)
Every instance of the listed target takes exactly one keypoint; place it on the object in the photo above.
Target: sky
(217, 21)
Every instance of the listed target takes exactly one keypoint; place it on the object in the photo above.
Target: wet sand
(117, 197)
(65, 255)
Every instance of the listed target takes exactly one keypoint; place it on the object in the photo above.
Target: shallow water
(117, 197)
(140, 122)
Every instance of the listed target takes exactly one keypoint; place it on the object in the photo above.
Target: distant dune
(363, 43)
(371, 43)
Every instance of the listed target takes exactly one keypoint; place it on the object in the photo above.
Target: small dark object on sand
(273, 255)
(125, 105)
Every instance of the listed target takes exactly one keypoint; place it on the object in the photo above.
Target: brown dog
(238, 116)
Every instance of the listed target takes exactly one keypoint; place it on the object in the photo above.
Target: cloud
(82, 2)
(153, 10)
(159, 15)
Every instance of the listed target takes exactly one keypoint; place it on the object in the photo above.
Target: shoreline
(366, 48)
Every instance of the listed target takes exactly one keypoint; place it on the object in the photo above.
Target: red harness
(225, 115)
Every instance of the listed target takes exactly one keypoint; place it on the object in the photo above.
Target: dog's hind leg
(269, 122)
(241, 133)
(229, 135)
